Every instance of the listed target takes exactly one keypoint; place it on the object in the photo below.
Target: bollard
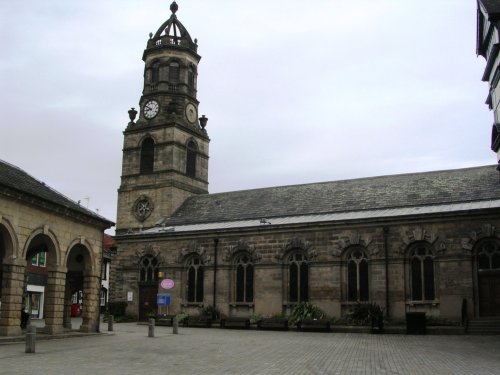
(110, 323)
(175, 325)
(30, 339)
(151, 328)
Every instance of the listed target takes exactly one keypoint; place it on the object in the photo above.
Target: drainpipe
(97, 328)
(216, 245)
(386, 256)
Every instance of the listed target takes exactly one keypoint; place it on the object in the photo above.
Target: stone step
(482, 332)
(484, 326)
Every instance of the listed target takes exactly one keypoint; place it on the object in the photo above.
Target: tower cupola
(172, 34)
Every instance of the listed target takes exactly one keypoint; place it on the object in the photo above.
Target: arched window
(298, 278)
(357, 276)
(422, 273)
(244, 278)
(488, 255)
(192, 150)
(147, 156)
(148, 269)
(174, 72)
(155, 72)
(195, 277)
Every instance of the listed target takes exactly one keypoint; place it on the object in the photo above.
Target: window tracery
(357, 276)
(422, 280)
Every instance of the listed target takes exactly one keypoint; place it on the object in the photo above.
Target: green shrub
(278, 316)
(181, 317)
(117, 308)
(211, 312)
(305, 310)
(365, 313)
(255, 318)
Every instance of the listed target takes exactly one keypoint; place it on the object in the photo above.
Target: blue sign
(163, 299)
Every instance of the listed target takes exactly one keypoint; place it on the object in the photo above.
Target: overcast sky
(295, 91)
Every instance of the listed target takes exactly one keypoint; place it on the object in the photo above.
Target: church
(420, 242)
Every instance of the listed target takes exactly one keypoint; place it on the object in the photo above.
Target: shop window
(39, 259)
(104, 297)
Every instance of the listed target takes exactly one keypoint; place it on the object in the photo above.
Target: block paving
(129, 350)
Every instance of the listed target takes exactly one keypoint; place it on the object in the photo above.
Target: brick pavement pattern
(217, 351)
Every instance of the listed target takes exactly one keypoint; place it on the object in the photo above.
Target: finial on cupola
(174, 7)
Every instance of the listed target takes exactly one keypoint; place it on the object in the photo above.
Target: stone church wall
(451, 240)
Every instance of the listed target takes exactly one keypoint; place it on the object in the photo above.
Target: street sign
(163, 299)
(167, 283)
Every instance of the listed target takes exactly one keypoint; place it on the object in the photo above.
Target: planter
(273, 324)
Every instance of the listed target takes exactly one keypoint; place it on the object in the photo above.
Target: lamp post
(160, 277)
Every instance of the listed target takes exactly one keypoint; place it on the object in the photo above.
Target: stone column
(54, 299)
(67, 307)
(91, 294)
(12, 296)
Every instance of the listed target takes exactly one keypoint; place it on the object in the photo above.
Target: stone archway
(82, 289)
(11, 272)
(41, 287)
(2, 256)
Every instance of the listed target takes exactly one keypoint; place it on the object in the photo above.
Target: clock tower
(165, 150)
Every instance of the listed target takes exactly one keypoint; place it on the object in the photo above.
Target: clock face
(151, 109)
(191, 114)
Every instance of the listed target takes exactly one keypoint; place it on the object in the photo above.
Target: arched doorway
(2, 256)
(40, 256)
(148, 286)
(487, 259)
(80, 293)
(10, 292)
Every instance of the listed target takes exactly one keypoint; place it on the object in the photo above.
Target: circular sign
(167, 283)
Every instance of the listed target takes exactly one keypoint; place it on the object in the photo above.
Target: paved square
(217, 351)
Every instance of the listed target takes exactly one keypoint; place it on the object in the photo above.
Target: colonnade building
(50, 249)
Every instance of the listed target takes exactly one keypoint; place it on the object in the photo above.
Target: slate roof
(491, 6)
(17, 180)
(448, 187)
